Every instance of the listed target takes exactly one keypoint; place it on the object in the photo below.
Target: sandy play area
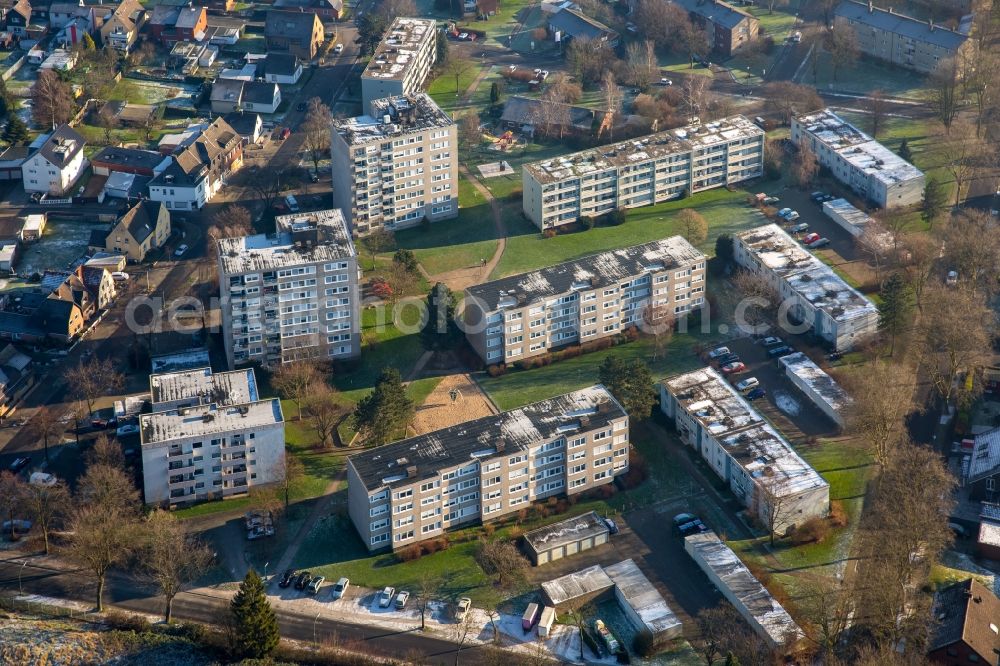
(438, 411)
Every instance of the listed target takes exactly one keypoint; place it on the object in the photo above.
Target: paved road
(126, 594)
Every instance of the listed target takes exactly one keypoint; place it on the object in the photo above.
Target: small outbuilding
(576, 589)
(819, 387)
(565, 538)
(643, 605)
(988, 539)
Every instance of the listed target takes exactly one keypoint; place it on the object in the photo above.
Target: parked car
(612, 526)
(718, 351)
(747, 384)
(800, 227)
(770, 200)
(181, 249)
(817, 196)
(287, 578)
(779, 351)
(734, 367)
(684, 519)
(303, 580)
(792, 216)
(401, 599)
(770, 341)
(727, 359)
(796, 37)
(809, 238)
(756, 394)
(315, 584)
(693, 527)
(462, 608)
(835, 356)
(119, 276)
(666, 82)
(385, 598)
(784, 212)
(18, 525)
(127, 429)
(340, 588)
(313, 177)
(821, 242)
(338, 49)
(19, 463)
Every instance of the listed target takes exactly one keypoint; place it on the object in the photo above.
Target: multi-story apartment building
(859, 161)
(209, 437)
(586, 299)
(397, 166)
(729, 28)
(292, 295)
(401, 61)
(640, 172)
(415, 489)
(817, 297)
(903, 40)
(760, 466)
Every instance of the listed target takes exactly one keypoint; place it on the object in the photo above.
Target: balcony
(183, 467)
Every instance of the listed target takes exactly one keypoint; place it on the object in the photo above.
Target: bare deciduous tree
(105, 452)
(971, 246)
(693, 226)
(758, 306)
(45, 425)
(379, 240)
(945, 95)
(103, 537)
(842, 44)
(772, 504)
(962, 152)
(658, 320)
(171, 557)
(295, 381)
(267, 190)
(11, 496)
(827, 609)
(501, 559)
(94, 378)
(882, 395)
(321, 408)
(642, 63)
(47, 506)
(805, 166)
(107, 486)
(786, 99)
(316, 130)
(51, 100)
(877, 109)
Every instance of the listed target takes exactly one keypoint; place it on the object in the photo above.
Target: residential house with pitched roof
(170, 25)
(197, 172)
(57, 164)
(142, 228)
(729, 28)
(249, 125)
(326, 10)
(283, 68)
(982, 475)
(296, 32)
(126, 160)
(967, 625)
(121, 27)
(568, 24)
(17, 19)
(230, 95)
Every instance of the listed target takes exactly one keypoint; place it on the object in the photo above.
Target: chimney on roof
(891, 10)
(411, 471)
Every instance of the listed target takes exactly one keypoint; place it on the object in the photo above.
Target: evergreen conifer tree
(255, 620)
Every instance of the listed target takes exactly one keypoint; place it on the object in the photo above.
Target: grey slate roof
(579, 25)
(141, 219)
(597, 270)
(280, 64)
(64, 137)
(511, 431)
(526, 111)
(719, 13)
(244, 123)
(259, 92)
(963, 612)
(290, 24)
(900, 24)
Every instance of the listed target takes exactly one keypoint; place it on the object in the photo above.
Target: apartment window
(403, 494)
(430, 485)
(576, 483)
(578, 468)
(378, 511)
(379, 525)
(430, 499)
(404, 536)
(403, 508)
(381, 538)
(600, 476)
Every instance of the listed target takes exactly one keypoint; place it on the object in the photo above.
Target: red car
(735, 366)
(809, 238)
(282, 133)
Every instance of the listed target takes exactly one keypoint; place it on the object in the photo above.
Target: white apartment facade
(401, 61)
(642, 172)
(586, 299)
(397, 166)
(812, 293)
(760, 466)
(415, 489)
(859, 161)
(292, 295)
(210, 438)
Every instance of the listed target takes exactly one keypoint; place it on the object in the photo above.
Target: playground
(455, 399)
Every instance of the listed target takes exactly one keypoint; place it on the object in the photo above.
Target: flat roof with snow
(590, 581)
(752, 442)
(821, 383)
(643, 598)
(225, 388)
(744, 590)
(856, 147)
(181, 360)
(398, 50)
(206, 420)
(805, 274)
(566, 531)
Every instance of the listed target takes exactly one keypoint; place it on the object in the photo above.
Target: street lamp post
(265, 572)
(315, 620)
(20, 572)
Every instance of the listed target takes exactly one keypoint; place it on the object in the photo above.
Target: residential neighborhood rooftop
(392, 116)
(716, 11)
(566, 531)
(205, 420)
(807, 275)
(642, 597)
(499, 434)
(398, 49)
(225, 388)
(892, 21)
(858, 148)
(320, 235)
(823, 384)
(636, 151)
(727, 567)
(590, 272)
(985, 460)
(755, 445)
(585, 582)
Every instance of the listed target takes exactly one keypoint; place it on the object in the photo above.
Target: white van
(292, 204)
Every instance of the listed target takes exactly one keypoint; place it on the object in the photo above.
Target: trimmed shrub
(409, 553)
(496, 370)
(127, 621)
(549, 233)
(838, 516)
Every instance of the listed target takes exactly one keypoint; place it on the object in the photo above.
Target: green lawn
(725, 211)
(519, 387)
(863, 76)
(459, 243)
(442, 89)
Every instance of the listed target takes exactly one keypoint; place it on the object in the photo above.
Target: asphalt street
(34, 579)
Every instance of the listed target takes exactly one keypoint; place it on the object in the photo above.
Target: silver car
(340, 588)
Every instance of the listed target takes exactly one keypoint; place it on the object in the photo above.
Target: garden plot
(152, 92)
(63, 243)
